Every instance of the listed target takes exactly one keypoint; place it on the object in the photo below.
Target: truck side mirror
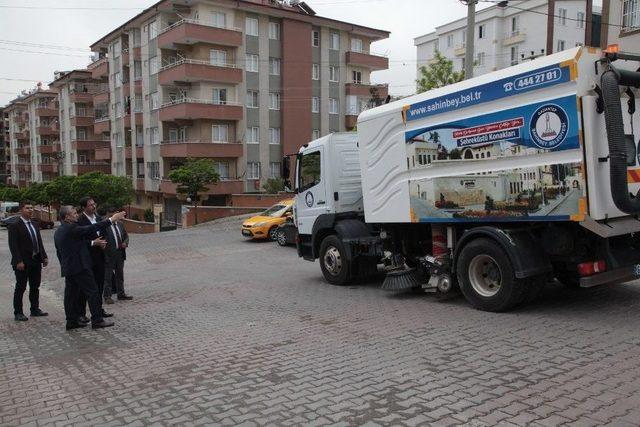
(286, 167)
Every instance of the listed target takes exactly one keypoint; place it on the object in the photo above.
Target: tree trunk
(195, 208)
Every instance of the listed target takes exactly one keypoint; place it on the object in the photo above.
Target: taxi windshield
(276, 211)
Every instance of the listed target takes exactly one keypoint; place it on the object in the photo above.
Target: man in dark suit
(27, 258)
(76, 266)
(115, 254)
(96, 245)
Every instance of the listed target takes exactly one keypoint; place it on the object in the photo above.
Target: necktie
(34, 238)
(116, 235)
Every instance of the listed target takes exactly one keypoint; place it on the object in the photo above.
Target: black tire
(333, 261)
(281, 237)
(495, 287)
(272, 233)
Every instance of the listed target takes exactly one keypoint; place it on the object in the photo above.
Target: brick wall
(209, 213)
(138, 227)
(258, 200)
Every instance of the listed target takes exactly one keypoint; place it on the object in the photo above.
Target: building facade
(5, 152)
(506, 36)
(621, 24)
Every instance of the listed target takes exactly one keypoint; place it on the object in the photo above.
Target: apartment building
(624, 29)
(506, 36)
(5, 152)
(240, 82)
(75, 153)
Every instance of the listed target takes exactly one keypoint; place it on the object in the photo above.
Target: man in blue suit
(76, 266)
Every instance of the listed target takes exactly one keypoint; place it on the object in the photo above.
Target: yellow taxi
(265, 225)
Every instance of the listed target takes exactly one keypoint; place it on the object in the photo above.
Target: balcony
(25, 150)
(367, 60)
(350, 121)
(460, 50)
(200, 149)
(101, 126)
(82, 168)
(99, 69)
(23, 167)
(190, 31)
(46, 111)
(21, 119)
(83, 97)
(192, 70)
(365, 89)
(140, 184)
(193, 109)
(514, 37)
(103, 153)
(139, 152)
(48, 167)
(47, 130)
(82, 120)
(21, 135)
(89, 144)
(222, 187)
(49, 149)
(101, 98)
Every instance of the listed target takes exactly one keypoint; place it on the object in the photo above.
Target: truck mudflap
(619, 275)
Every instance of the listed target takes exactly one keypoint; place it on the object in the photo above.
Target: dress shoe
(124, 297)
(38, 313)
(102, 324)
(75, 325)
(105, 314)
(108, 300)
(21, 317)
(83, 319)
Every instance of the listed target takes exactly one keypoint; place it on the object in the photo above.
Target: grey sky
(76, 28)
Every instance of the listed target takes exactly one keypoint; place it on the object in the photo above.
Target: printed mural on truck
(549, 191)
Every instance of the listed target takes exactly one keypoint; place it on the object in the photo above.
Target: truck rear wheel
(486, 277)
(335, 266)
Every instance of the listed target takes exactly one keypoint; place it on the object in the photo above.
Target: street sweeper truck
(494, 185)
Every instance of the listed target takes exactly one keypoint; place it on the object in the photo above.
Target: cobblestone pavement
(225, 331)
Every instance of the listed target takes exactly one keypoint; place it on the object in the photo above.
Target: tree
(434, 137)
(438, 73)
(59, 190)
(193, 178)
(455, 154)
(273, 185)
(11, 194)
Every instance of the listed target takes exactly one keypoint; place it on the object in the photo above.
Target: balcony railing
(198, 101)
(513, 37)
(197, 22)
(189, 31)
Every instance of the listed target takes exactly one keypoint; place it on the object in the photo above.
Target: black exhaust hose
(610, 81)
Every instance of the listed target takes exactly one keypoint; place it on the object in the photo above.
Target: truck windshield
(309, 170)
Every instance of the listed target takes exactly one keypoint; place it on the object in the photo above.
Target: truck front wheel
(486, 277)
(335, 266)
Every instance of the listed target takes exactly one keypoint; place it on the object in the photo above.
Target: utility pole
(471, 32)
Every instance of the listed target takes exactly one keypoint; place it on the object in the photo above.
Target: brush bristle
(400, 280)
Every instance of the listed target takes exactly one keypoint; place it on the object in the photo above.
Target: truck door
(311, 200)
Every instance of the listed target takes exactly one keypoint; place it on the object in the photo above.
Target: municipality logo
(549, 126)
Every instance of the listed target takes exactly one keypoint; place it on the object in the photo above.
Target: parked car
(44, 224)
(287, 233)
(264, 226)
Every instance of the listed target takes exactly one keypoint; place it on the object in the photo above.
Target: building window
(220, 133)
(335, 41)
(251, 26)
(333, 106)
(514, 55)
(315, 134)
(117, 79)
(252, 63)
(356, 45)
(274, 101)
(333, 74)
(515, 25)
(117, 139)
(274, 136)
(118, 109)
(274, 31)
(137, 70)
(274, 170)
(153, 30)
(223, 169)
(315, 38)
(219, 19)
(252, 99)
(153, 65)
(481, 31)
(315, 71)
(630, 15)
(218, 57)
(253, 135)
(153, 170)
(356, 77)
(219, 96)
(450, 40)
(253, 170)
(580, 20)
(274, 66)
(562, 16)
(480, 59)
(560, 46)
(154, 101)
(315, 104)
(155, 136)
(115, 47)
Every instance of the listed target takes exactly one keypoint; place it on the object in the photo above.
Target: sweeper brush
(400, 280)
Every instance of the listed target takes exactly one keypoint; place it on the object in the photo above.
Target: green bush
(148, 215)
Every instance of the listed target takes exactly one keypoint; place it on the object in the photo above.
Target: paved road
(223, 331)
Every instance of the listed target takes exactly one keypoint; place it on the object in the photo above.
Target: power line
(69, 8)
(42, 45)
(44, 53)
